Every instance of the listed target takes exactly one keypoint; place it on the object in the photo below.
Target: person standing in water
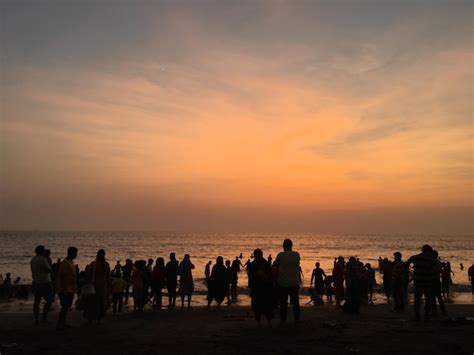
(217, 283)
(66, 285)
(41, 275)
(318, 276)
(287, 264)
(470, 277)
(207, 271)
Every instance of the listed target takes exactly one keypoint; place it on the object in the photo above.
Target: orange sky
(288, 114)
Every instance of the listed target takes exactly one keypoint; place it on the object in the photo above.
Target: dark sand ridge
(323, 330)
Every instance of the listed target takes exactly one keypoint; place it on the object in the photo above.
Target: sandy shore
(322, 330)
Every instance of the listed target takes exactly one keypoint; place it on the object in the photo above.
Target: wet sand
(323, 330)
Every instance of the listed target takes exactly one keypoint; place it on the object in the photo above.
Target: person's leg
(182, 300)
(295, 302)
(49, 298)
(189, 300)
(159, 298)
(114, 302)
(36, 304)
(417, 293)
(427, 293)
(283, 303)
(120, 301)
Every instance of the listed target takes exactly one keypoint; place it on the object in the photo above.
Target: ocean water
(17, 248)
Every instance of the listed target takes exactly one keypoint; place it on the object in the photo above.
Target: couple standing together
(286, 272)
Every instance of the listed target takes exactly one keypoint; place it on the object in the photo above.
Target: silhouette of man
(171, 270)
(41, 274)
(66, 285)
(424, 266)
(287, 264)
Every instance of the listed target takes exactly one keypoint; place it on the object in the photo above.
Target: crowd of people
(271, 283)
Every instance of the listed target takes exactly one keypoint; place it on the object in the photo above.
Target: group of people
(271, 283)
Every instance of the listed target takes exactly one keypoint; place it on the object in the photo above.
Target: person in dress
(338, 276)
(217, 283)
(261, 287)
(41, 275)
(186, 283)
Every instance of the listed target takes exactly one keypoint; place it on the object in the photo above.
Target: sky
(317, 116)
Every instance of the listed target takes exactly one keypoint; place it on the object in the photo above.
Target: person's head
(209, 262)
(368, 266)
(397, 255)
(39, 250)
(220, 260)
(8, 274)
(426, 249)
(227, 263)
(100, 254)
(317, 264)
(59, 261)
(287, 244)
(118, 262)
(150, 262)
(258, 254)
(435, 254)
(448, 264)
(187, 257)
(72, 253)
(160, 261)
(172, 256)
(128, 261)
(340, 259)
(47, 253)
(352, 260)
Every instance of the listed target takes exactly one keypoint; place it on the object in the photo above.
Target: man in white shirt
(287, 264)
(41, 274)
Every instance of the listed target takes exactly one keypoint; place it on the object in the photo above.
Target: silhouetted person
(236, 264)
(470, 277)
(424, 266)
(287, 264)
(117, 268)
(233, 280)
(318, 276)
(270, 260)
(446, 280)
(217, 283)
(127, 276)
(228, 276)
(96, 305)
(54, 276)
(328, 281)
(158, 278)
(207, 270)
(66, 285)
(352, 275)
(172, 279)
(118, 287)
(370, 274)
(386, 270)
(138, 275)
(147, 281)
(186, 283)
(261, 287)
(436, 288)
(338, 273)
(398, 283)
(461, 266)
(41, 275)
(7, 286)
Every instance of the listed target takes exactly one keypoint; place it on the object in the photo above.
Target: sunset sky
(330, 116)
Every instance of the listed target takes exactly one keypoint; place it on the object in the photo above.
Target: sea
(17, 249)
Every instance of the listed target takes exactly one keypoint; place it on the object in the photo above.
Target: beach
(231, 330)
